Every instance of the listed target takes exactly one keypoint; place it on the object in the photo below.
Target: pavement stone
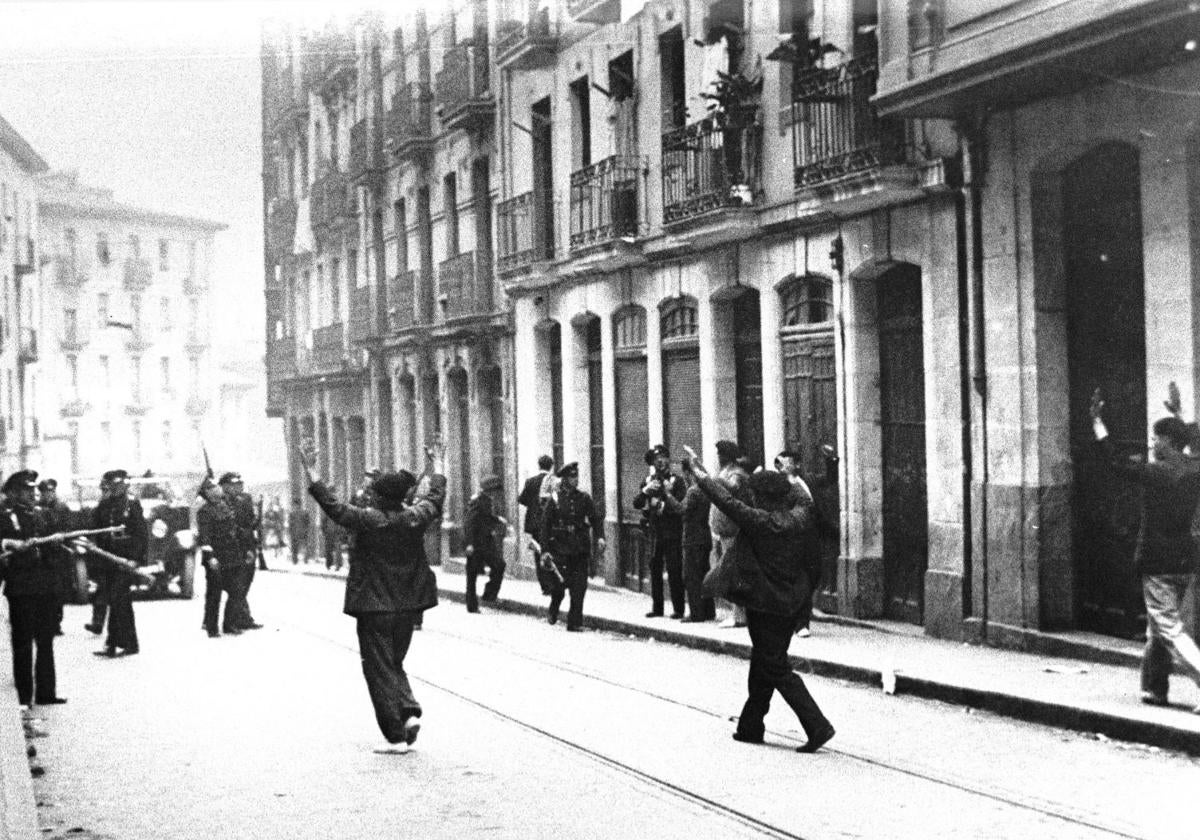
(1101, 697)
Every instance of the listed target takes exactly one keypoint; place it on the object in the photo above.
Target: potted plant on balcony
(734, 105)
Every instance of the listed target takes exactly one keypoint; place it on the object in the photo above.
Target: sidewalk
(18, 813)
(1071, 693)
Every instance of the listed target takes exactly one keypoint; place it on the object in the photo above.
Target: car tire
(187, 576)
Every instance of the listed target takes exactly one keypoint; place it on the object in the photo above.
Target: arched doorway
(810, 403)
(902, 421)
(1106, 348)
(633, 439)
(680, 336)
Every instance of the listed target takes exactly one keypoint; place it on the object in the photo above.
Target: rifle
(61, 536)
(262, 560)
(208, 470)
(122, 563)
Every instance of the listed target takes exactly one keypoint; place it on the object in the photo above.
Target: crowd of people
(39, 567)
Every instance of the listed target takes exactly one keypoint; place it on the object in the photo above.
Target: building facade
(20, 276)
(128, 378)
(918, 233)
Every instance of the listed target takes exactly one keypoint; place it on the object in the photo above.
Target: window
(135, 313)
(8, 383)
(670, 54)
(166, 439)
(106, 375)
(70, 245)
(629, 329)
(678, 319)
(136, 428)
(135, 246)
(164, 313)
(352, 266)
(194, 373)
(70, 326)
(103, 254)
(400, 223)
(164, 369)
(135, 378)
(335, 289)
(106, 435)
(192, 259)
(807, 300)
(450, 209)
(164, 255)
(73, 373)
(102, 313)
(581, 124)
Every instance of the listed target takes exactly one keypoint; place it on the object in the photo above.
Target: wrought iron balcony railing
(25, 259)
(74, 338)
(138, 274)
(522, 240)
(196, 405)
(329, 200)
(835, 131)
(463, 287)
(526, 35)
(463, 85)
(709, 165)
(138, 340)
(329, 346)
(70, 271)
(75, 407)
(409, 122)
(605, 203)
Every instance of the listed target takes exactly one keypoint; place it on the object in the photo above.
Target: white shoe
(392, 749)
(412, 726)
(803, 632)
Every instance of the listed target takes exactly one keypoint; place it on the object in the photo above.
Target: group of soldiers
(228, 533)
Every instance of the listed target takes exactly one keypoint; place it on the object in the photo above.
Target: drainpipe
(972, 134)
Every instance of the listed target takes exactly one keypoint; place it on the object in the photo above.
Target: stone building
(128, 376)
(919, 233)
(20, 432)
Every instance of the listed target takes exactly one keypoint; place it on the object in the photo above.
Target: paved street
(533, 732)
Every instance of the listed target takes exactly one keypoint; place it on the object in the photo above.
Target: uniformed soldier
(569, 523)
(32, 587)
(217, 533)
(117, 507)
(480, 528)
(58, 519)
(246, 520)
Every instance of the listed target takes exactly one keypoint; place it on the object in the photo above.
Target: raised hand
(435, 457)
(1173, 403)
(697, 466)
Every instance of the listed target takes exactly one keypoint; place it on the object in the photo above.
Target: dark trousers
(248, 581)
(695, 566)
(668, 554)
(475, 567)
(99, 607)
(32, 621)
(383, 640)
(574, 571)
(122, 631)
(237, 609)
(771, 671)
(213, 587)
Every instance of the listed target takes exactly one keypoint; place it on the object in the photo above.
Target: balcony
(195, 283)
(365, 158)
(281, 358)
(25, 260)
(362, 315)
(330, 204)
(74, 407)
(527, 38)
(138, 274)
(27, 345)
(334, 61)
(464, 289)
(281, 227)
(139, 340)
(329, 347)
(605, 202)
(410, 122)
(74, 339)
(464, 94)
(708, 166)
(70, 271)
(835, 130)
(594, 11)
(522, 240)
(197, 342)
(196, 406)
(401, 293)
(138, 406)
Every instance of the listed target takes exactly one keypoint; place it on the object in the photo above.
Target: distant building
(244, 438)
(127, 309)
(20, 431)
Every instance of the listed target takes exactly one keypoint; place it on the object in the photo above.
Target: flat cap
(231, 477)
(654, 452)
(570, 470)
(491, 482)
(115, 475)
(21, 478)
(393, 486)
(48, 484)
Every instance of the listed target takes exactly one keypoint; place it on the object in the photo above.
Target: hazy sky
(157, 100)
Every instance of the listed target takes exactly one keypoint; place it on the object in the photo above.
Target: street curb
(18, 809)
(1006, 705)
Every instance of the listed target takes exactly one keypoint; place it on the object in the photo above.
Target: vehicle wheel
(187, 576)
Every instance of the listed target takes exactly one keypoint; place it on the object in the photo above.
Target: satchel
(732, 578)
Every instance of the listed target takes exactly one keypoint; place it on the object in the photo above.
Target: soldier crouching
(569, 524)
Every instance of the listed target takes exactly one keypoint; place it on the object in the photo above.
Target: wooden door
(748, 372)
(902, 416)
(633, 439)
(1106, 348)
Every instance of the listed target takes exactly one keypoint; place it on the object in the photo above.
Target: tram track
(1009, 799)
